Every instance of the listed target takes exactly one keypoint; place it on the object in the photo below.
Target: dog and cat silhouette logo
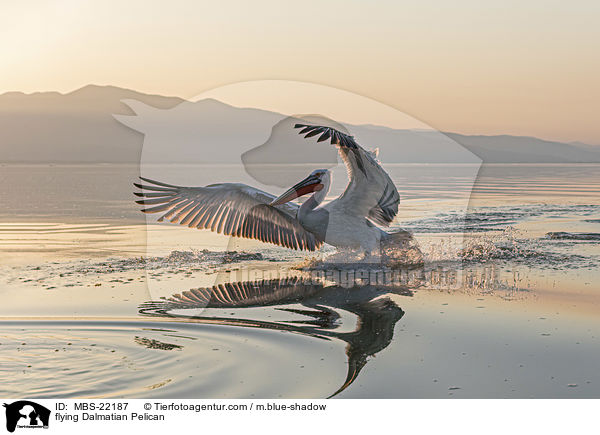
(26, 414)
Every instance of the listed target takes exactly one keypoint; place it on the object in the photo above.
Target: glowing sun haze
(494, 67)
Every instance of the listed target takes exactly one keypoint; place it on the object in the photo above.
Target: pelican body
(347, 222)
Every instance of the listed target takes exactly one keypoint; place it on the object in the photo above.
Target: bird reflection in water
(320, 303)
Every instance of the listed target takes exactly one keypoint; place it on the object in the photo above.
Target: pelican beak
(310, 184)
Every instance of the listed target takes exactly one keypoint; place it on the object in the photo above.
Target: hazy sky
(470, 66)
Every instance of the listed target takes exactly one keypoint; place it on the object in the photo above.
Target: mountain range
(103, 124)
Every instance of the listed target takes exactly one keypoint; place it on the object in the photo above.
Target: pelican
(350, 221)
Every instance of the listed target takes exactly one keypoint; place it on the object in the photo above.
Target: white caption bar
(160, 416)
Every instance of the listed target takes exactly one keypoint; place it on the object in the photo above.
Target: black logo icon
(26, 414)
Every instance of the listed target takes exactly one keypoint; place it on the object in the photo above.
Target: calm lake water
(97, 302)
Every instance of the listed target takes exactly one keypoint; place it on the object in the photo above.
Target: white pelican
(240, 210)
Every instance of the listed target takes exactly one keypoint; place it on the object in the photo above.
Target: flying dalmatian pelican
(351, 221)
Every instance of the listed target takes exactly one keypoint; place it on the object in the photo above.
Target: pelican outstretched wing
(371, 192)
(232, 209)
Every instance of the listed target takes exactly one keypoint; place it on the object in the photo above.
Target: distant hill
(524, 149)
(74, 127)
(80, 127)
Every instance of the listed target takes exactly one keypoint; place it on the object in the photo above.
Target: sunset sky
(494, 67)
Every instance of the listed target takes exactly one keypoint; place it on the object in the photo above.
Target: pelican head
(315, 182)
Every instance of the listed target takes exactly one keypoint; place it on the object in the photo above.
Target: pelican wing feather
(232, 209)
(371, 192)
